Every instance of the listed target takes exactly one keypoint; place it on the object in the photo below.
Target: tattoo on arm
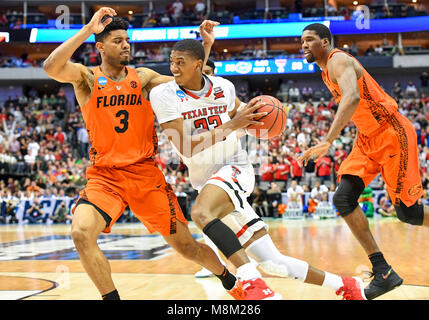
(87, 80)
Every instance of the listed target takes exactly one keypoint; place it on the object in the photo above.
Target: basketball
(274, 121)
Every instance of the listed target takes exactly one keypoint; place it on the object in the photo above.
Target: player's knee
(80, 238)
(344, 203)
(412, 215)
(200, 216)
(346, 197)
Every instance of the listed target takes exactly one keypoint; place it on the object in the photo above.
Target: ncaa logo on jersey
(102, 81)
(181, 95)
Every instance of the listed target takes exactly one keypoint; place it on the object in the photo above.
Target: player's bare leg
(183, 242)
(212, 204)
(358, 224)
(261, 248)
(86, 227)
(426, 216)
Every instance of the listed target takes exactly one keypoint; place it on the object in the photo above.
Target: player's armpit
(174, 130)
(149, 79)
(342, 71)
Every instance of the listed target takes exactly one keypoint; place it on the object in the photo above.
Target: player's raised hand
(97, 23)
(317, 152)
(207, 31)
(246, 116)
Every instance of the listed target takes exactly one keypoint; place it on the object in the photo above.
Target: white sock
(248, 271)
(273, 262)
(332, 281)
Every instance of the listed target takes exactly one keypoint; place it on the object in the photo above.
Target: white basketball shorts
(238, 182)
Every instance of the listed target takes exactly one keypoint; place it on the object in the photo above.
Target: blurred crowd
(89, 56)
(185, 13)
(44, 148)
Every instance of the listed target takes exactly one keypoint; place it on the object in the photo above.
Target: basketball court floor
(39, 262)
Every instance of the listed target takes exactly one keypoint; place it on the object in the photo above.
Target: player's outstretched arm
(341, 71)
(190, 144)
(58, 66)
(208, 36)
(150, 79)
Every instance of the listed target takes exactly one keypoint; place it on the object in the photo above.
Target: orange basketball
(274, 121)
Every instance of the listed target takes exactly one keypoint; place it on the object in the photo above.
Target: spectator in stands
(267, 169)
(293, 93)
(296, 189)
(62, 214)
(274, 198)
(180, 178)
(324, 168)
(386, 207)
(370, 51)
(397, 90)
(307, 93)
(282, 170)
(35, 213)
(243, 94)
(339, 156)
(258, 201)
(424, 79)
(294, 206)
(309, 109)
(60, 135)
(32, 152)
(411, 90)
(200, 10)
(151, 20)
(165, 20)
(188, 16)
(92, 57)
(378, 51)
(296, 168)
(318, 190)
(3, 20)
(82, 141)
(316, 196)
(177, 7)
(10, 212)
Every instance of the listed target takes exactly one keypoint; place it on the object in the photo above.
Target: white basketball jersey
(201, 111)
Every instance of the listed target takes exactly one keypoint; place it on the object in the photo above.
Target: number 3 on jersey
(205, 122)
(124, 115)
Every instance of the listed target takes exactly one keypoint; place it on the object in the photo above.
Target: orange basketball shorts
(392, 151)
(140, 186)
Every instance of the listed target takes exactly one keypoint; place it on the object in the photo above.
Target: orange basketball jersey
(119, 121)
(375, 106)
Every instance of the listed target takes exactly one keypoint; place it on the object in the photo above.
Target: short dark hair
(116, 24)
(321, 30)
(194, 47)
(210, 64)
